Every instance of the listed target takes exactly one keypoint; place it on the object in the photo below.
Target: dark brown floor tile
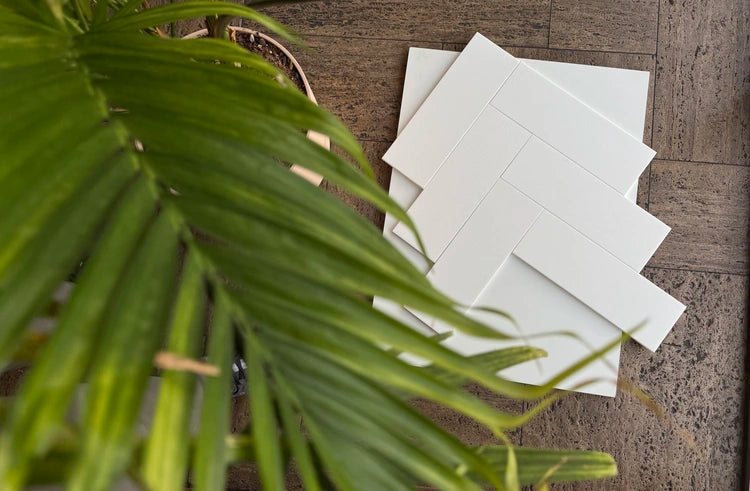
(240, 414)
(707, 206)
(517, 22)
(244, 476)
(626, 25)
(10, 380)
(696, 378)
(185, 27)
(703, 81)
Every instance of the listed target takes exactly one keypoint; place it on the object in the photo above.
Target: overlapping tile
(451, 286)
(437, 147)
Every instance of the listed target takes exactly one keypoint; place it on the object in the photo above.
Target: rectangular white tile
(482, 155)
(424, 69)
(599, 280)
(616, 93)
(571, 127)
(586, 203)
(539, 307)
(454, 104)
(408, 193)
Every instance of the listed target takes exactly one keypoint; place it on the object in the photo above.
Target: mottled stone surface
(625, 25)
(359, 80)
(708, 208)
(696, 377)
(702, 110)
(518, 22)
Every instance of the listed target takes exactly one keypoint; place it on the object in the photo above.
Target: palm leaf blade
(210, 457)
(264, 425)
(165, 460)
(533, 463)
(120, 376)
(32, 278)
(46, 392)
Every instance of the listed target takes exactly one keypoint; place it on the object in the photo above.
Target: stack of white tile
(521, 177)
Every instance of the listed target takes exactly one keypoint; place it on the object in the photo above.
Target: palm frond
(160, 164)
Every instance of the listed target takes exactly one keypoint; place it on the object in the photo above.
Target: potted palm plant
(115, 147)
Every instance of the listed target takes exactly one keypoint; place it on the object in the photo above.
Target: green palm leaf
(129, 152)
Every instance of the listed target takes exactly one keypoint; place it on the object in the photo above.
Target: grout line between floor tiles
(653, 105)
(656, 66)
(376, 140)
(701, 162)
(690, 270)
(581, 50)
(502, 45)
(549, 26)
(648, 189)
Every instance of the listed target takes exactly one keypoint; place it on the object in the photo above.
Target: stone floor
(698, 53)
(698, 120)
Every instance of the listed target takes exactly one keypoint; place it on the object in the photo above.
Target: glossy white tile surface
(571, 127)
(424, 69)
(615, 93)
(586, 203)
(599, 280)
(539, 306)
